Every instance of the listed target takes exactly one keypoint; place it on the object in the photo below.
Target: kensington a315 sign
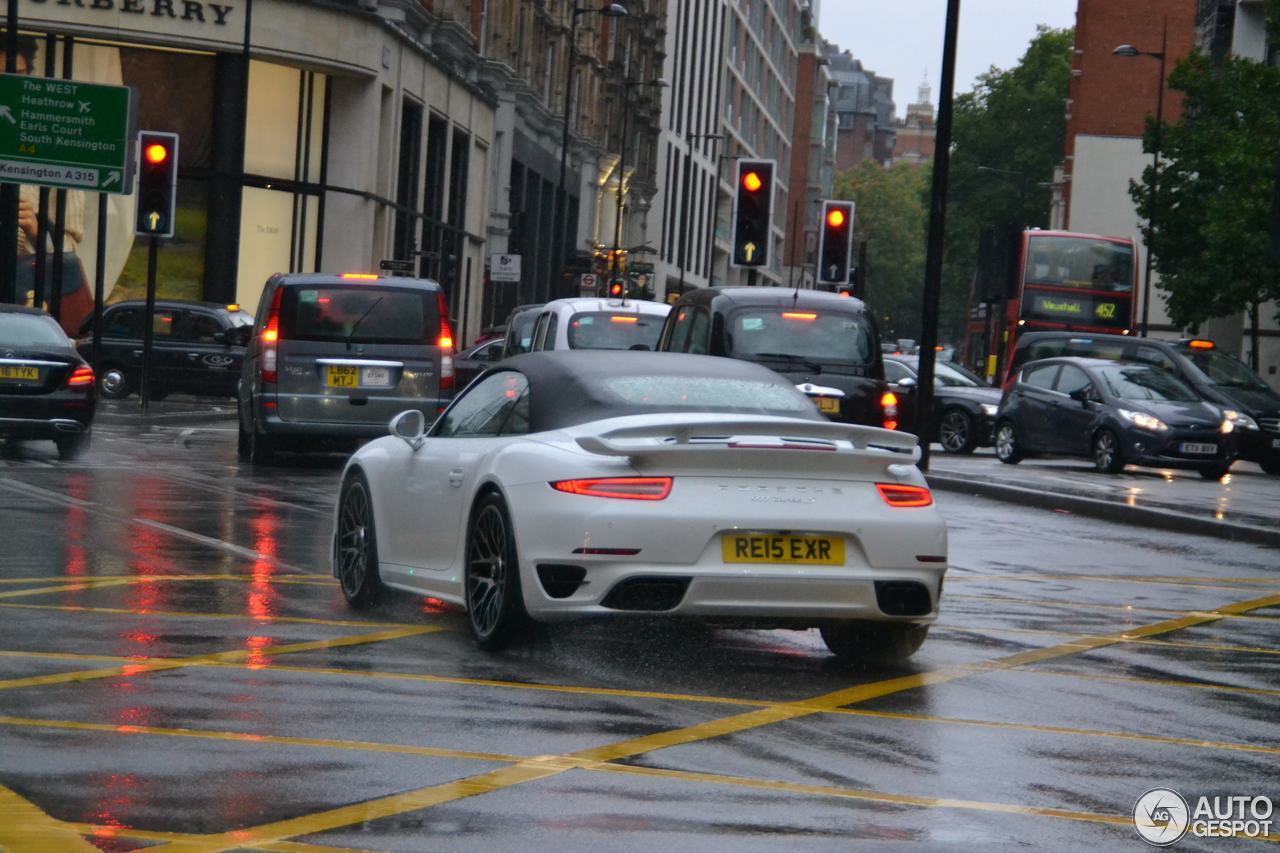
(63, 133)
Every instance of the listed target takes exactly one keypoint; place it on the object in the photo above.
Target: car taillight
(627, 488)
(80, 377)
(445, 342)
(895, 494)
(271, 334)
(889, 408)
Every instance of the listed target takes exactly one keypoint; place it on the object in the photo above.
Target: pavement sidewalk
(1244, 506)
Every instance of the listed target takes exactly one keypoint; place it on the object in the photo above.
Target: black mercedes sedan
(1115, 413)
(46, 388)
(964, 407)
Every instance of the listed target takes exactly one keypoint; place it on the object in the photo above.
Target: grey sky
(902, 39)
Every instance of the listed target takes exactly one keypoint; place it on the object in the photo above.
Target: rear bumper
(42, 416)
(36, 428)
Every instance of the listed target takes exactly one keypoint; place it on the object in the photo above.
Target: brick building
(865, 111)
(915, 135)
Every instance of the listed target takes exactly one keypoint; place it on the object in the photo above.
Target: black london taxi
(826, 343)
(197, 348)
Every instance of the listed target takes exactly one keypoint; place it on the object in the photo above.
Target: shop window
(407, 177)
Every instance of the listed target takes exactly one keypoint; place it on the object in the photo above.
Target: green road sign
(63, 133)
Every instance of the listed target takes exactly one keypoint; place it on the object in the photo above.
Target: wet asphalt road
(178, 672)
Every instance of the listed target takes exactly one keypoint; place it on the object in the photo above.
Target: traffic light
(157, 183)
(752, 212)
(617, 290)
(837, 242)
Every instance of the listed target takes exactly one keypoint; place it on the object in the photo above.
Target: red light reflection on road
(263, 598)
(258, 659)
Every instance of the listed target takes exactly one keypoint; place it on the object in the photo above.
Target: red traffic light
(835, 218)
(751, 182)
(156, 153)
(615, 289)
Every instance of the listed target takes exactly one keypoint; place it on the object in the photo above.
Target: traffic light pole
(148, 323)
(937, 231)
(9, 192)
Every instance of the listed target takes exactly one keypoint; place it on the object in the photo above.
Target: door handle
(455, 476)
(193, 355)
(137, 353)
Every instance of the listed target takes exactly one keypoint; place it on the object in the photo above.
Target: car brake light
(359, 276)
(80, 377)
(627, 488)
(617, 319)
(271, 334)
(445, 342)
(895, 494)
(799, 315)
(889, 405)
(1200, 344)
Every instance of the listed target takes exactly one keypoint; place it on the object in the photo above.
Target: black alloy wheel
(956, 432)
(874, 642)
(112, 383)
(72, 447)
(495, 603)
(1107, 455)
(1007, 449)
(356, 548)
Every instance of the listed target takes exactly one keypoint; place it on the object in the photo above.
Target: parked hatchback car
(46, 388)
(1216, 376)
(590, 322)
(335, 357)
(1116, 413)
(964, 407)
(824, 343)
(196, 348)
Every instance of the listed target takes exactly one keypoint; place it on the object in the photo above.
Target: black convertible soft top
(569, 387)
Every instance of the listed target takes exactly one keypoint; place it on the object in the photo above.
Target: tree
(1208, 208)
(890, 216)
(1007, 138)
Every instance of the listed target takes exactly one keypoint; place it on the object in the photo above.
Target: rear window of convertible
(707, 394)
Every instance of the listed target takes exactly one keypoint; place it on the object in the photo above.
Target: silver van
(338, 356)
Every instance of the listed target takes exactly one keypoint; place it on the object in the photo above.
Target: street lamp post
(1130, 50)
(627, 86)
(685, 195)
(612, 10)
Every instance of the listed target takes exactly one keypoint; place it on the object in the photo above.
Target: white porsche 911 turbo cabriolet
(571, 484)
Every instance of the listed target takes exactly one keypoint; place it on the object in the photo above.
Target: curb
(1159, 519)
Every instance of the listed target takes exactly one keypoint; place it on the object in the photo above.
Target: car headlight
(1239, 419)
(1227, 427)
(990, 409)
(1143, 421)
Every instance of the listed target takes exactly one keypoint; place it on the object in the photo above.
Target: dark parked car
(964, 407)
(826, 344)
(333, 358)
(471, 362)
(196, 348)
(1116, 413)
(1216, 376)
(46, 388)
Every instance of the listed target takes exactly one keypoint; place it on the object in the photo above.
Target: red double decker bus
(1070, 281)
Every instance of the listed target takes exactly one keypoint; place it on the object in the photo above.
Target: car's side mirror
(238, 336)
(640, 347)
(907, 384)
(1080, 395)
(411, 427)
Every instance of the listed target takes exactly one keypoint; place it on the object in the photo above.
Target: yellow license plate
(767, 548)
(20, 372)
(829, 405)
(344, 377)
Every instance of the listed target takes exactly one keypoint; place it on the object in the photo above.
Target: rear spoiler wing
(782, 434)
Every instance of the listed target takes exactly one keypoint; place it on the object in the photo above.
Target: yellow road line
(274, 740)
(24, 828)
(383, 807)
(198, 660)
(1170, 580)
(1087, 606)
(862, 794)
(97, 830)
(1146, 682)
(73, 656)
(1059, 730)
(187, 614)
(71, 587)
(1175, 644)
